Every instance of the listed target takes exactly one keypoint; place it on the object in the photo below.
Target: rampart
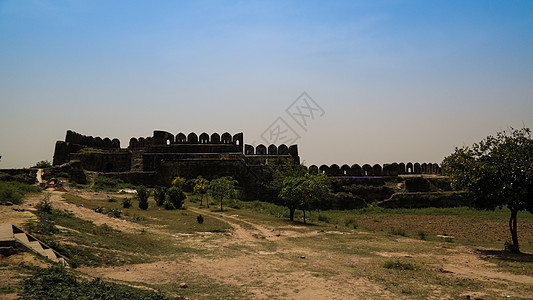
(393, 169)
(93, 142)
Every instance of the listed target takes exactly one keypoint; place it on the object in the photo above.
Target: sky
(348, 81)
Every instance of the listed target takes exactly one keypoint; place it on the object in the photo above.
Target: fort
(155, 160)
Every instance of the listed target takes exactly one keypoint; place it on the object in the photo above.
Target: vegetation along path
(241, 253)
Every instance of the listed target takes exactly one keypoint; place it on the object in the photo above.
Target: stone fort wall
(393, 169)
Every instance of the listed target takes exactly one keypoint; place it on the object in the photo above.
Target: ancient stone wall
(393, 169)
(89, 141)
(165, 138)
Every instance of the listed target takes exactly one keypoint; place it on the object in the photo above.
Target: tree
(143, 194)
(201, 186)
(223, 187)
(176, 196)
(497, 172)
(304, 192)
(43, 164)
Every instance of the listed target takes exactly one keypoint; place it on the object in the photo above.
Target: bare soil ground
(271, 260)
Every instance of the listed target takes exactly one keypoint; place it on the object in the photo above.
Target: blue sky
(397, 80)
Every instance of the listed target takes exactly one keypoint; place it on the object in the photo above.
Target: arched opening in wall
(237, 142)
(109, 167)
(409, 168)
(168, 142)
(204, 138)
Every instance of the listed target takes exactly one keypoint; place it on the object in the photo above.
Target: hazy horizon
(394, 80)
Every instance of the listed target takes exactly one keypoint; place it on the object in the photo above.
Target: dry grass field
(250, 251)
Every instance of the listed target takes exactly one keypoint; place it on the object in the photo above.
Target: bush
(168, 205)
(114, 212)
(323, 218)
(45, 205)
(350, 221)
(397, 231)
(510, 247)
(398, 265)
(143, 194)
(200, 219)
(176, 196)
(126, 203)
(422, 234)
(160, 194)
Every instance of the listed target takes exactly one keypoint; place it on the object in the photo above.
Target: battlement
(393, 169)
(165, 138)
(89, 141)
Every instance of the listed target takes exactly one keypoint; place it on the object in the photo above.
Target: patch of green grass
(14, 191)
(89, 244)
(172, 221)
(104, 183)
(58, 283)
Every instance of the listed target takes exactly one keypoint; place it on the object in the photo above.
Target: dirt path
(262, 274)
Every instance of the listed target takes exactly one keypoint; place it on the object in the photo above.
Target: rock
(183, 285)
(302, 257)
(8, 203)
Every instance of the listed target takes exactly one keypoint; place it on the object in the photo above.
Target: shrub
(397, 231)
(160, 195)
(323, 218)
(168, 205)
(126, 203)
(100, 210)
(422, 234)
(178, 182)
(200, 219)
(114, 212)
(45, 205)
(176, 196)
(350, 221)
(510, 247)
(143, 194)
(398, 265)
(14, 191)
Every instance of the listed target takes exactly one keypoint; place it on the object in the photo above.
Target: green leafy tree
(43, 164)
(176, 196)
(282, 171)
(160, 194)
(304, 192)
(143, 194)
(223, 188)
(498, 172)
(201, 185)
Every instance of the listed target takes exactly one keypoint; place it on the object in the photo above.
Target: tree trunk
(291, 210)
(514, 233)
(304, 215)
